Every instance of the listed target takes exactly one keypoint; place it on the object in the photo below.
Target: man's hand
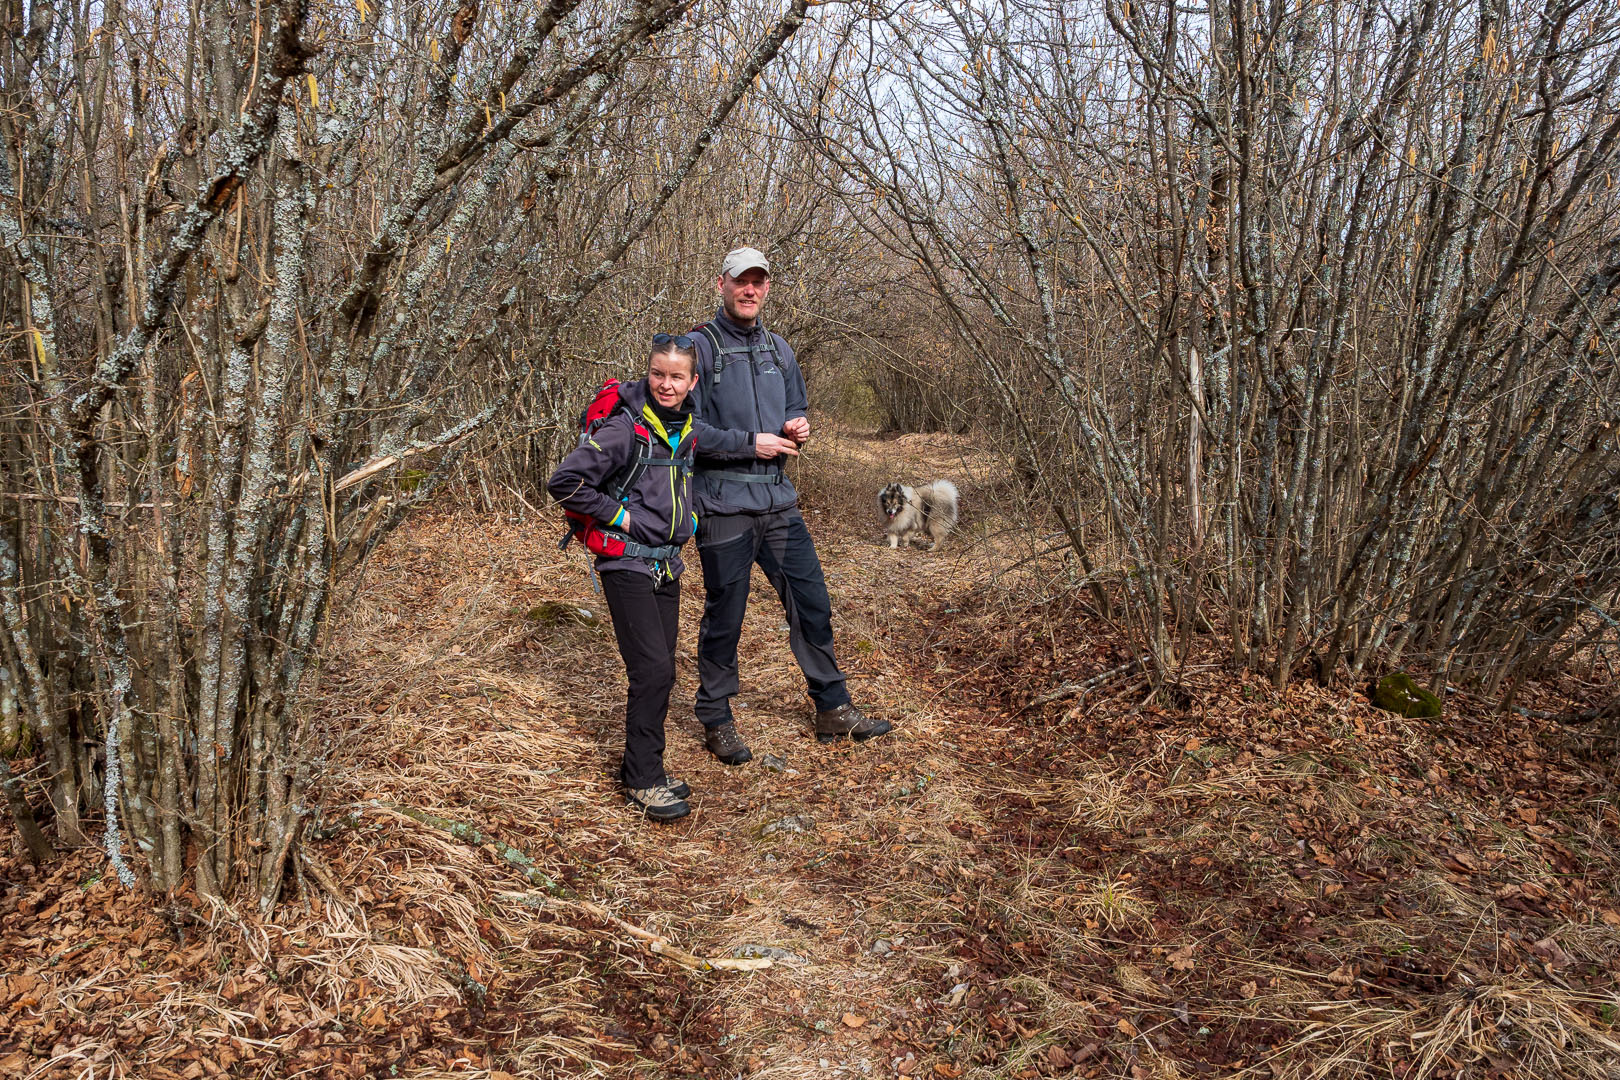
(769, 446)
(797, 429)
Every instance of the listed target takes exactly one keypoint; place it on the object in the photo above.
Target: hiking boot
(724, 743)
(658, 803)
(848, 722)
(679, 788)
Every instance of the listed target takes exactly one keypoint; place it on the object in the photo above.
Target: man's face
(742, 296)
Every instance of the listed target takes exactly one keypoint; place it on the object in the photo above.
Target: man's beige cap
(742, 259)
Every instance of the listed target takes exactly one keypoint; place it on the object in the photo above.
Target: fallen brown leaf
(1181, 959)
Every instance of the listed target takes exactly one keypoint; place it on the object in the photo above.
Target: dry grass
(967, 908)
(1122, 893)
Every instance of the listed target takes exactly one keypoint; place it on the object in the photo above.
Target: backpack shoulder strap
(625, 478)
(619, 482)
(777, 341)
(707, 331)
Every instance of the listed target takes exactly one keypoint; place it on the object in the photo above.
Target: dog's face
(892, 500)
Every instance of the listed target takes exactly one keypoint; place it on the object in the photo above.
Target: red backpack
(598, 538)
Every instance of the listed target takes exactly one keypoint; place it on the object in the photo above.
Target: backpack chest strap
(721, 352)
(683, 464)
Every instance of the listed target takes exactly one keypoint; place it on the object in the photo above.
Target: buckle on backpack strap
(656, 554)
(634, 550)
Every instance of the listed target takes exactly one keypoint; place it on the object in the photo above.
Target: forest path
(1292, 886)
(1013, 884)
(479, 690)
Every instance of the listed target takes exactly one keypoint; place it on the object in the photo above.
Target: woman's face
(670, 378)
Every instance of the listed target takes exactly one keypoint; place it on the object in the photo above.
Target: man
(748, 512)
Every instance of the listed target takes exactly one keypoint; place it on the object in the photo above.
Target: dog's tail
(944, 496)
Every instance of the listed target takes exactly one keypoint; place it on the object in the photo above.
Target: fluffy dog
(928, 511)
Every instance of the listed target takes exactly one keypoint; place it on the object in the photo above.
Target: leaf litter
(1083, 884)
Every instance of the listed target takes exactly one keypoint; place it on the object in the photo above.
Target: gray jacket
(658, 504)
(753, 384)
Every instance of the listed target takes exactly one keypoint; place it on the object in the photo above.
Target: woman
(630, 477)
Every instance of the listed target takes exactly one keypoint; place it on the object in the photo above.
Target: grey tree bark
(263, 268)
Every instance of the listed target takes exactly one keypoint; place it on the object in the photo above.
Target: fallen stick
(323, 878)
(469, 835)
(657, 944)
(1584, 717)
(1082, 688)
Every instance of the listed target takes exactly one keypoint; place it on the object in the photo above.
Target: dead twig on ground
(467, 834)
(657, 944)
(1083, 688)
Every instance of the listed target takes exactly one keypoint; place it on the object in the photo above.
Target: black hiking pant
(645, 613)
(728, 546)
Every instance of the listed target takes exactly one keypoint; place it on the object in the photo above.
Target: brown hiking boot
(724, 743)
(848, 722)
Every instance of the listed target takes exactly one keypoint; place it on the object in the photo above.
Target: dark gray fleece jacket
(756, 386)
(658, 504)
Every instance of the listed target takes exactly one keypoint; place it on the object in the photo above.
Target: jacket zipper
(677, 508)
(753, 383)
(674, 500)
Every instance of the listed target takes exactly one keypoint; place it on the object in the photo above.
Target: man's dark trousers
(729, 545)
(645, 614)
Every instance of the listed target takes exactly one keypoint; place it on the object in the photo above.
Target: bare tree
(1324, 294)
(267, 261)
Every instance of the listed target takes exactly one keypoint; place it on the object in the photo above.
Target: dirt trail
(1136, 891)
(502, 708)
